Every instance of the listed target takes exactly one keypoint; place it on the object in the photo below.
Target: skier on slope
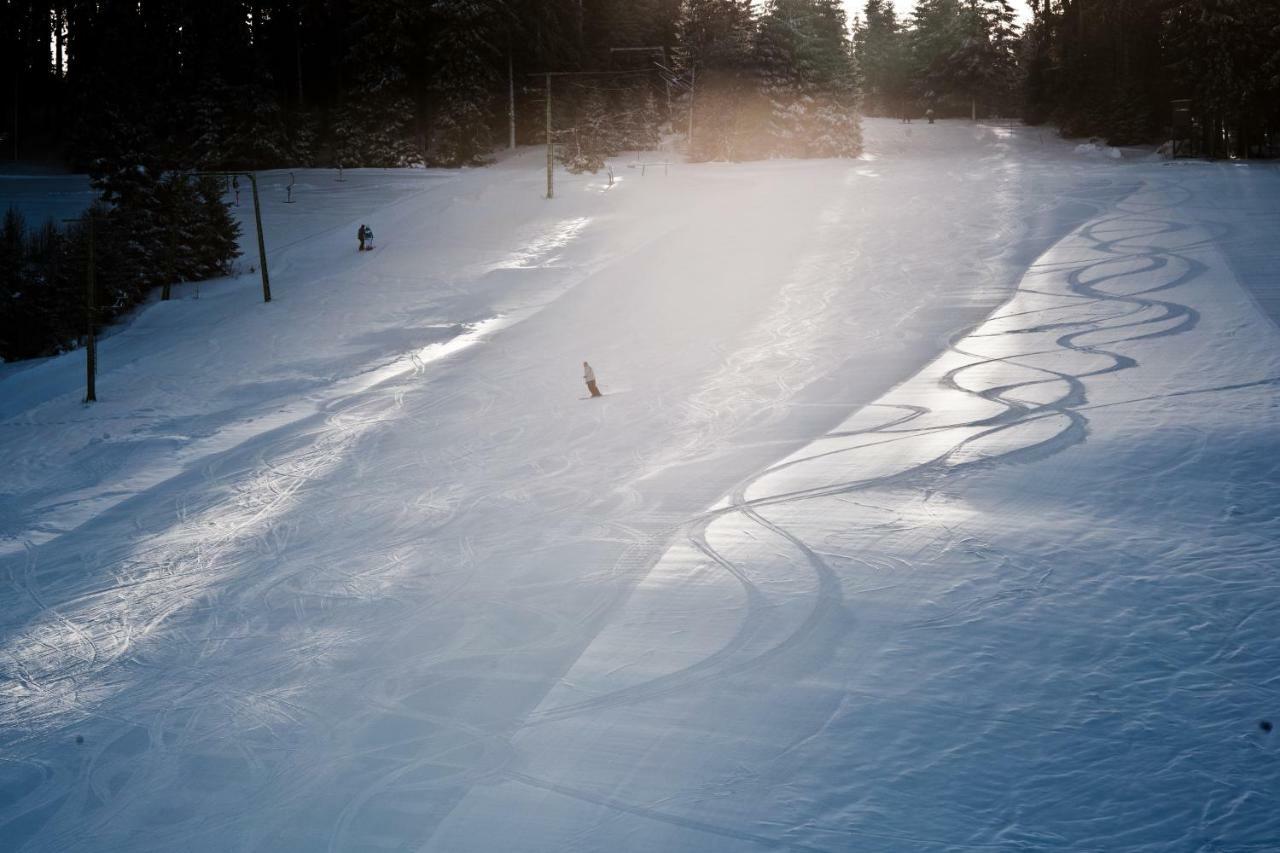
(362, 234)
(589, 376)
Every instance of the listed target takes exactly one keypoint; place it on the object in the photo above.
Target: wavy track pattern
(1027, 369)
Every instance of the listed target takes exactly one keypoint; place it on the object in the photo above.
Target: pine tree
(593, 136)
(715, 39)
(1225, 52)
(983, 65)
(220, 232)
(807, 77)
(638, 118)
(375, 124)
(937, 35)
(878, 46)
(465, 82)
(259, 137)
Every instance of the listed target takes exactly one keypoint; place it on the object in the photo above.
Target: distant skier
(589, 376)
(929, 114)
(368, 238)
(363, 234)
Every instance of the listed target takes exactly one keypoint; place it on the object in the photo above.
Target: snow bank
(1095, 148)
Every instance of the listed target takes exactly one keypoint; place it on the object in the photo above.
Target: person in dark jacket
(363, 234)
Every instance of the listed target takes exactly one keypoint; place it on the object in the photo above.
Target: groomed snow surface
(932, 505)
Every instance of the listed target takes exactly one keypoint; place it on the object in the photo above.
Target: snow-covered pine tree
(779, 54)
(593, 137)
(303, 133)
(715, 38)
(983, 66)
(259, 135)
(464, 85)
(638, 119)
(807, 76)
(205, 120)
(834, 128)
(878, 48)
(374, 126)
(127, 175)
(217, 233)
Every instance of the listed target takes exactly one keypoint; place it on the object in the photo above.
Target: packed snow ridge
(930, 505)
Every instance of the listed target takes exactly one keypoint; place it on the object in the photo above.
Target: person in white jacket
(590, 376)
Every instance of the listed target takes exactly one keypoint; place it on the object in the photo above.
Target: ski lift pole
(693, 78)
(511, 101)
(551, 154)
(262, 246)
(257, 219)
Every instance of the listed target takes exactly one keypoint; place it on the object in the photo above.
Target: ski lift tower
(658, 56)
(257, 218)
(684, 83)
(681, 81)
(551, 147)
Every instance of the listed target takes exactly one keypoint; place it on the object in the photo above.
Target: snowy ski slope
(931, 506)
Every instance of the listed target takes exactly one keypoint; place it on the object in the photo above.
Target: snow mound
(1095, 148)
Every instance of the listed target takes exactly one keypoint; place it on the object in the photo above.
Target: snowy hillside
(931, 505)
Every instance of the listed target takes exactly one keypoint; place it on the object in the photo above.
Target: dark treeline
(236, 84)
(955, 57)
(1112, 69)
(1106, 68)
(261, 83)
(141, 93)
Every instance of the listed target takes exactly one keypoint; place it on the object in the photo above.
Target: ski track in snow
(948, 446)
(1029, 369)
(729, 679)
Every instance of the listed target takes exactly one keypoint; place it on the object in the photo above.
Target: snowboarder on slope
(589, 376)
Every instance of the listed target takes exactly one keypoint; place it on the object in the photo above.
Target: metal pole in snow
(262, 246)
(511, 102)
(257, 219)
(693, 76)
(551, 157)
